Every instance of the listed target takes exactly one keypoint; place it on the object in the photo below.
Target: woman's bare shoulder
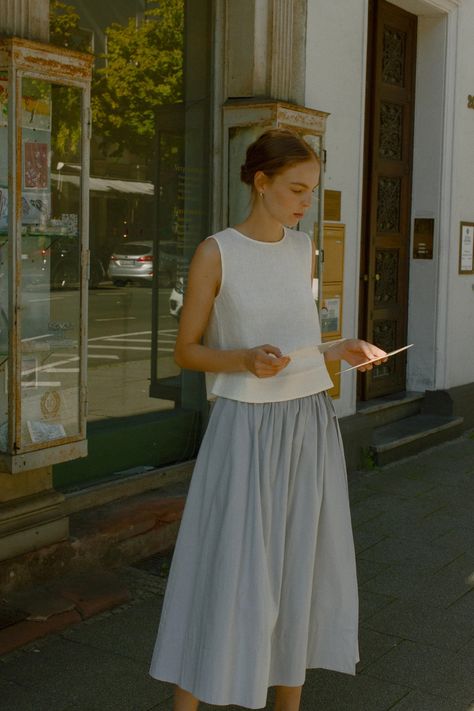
(207, 253)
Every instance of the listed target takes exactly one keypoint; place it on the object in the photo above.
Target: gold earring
(261, 195)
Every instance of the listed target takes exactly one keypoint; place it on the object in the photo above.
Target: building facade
(386, 91)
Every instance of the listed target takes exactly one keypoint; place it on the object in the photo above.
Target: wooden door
(387, 191)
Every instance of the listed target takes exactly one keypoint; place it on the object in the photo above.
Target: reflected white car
(132, 261)
(176, 298)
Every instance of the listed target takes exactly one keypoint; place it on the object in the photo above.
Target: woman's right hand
(265, 361)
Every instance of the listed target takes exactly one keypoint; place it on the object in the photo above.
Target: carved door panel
(387, 191)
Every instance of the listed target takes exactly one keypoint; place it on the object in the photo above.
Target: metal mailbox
(44, 165)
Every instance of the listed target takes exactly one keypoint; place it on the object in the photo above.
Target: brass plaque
(423, 238)
(332, 205)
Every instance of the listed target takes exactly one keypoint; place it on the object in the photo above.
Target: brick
(93, 592)
(28, 631)
(40, 604)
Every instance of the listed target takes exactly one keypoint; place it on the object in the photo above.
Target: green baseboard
(115, 445)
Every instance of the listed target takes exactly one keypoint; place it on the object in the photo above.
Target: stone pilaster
(25, 18)
(31, 512)
(264, 52)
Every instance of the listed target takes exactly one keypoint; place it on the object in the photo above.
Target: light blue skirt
(263, 579)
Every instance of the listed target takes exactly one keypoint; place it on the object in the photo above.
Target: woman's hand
(265, 361)
(355, 351)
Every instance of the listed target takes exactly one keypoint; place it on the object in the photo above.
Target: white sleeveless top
(266, 297)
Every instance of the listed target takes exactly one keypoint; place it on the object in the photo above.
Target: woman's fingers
(273, 350)
(269, 361)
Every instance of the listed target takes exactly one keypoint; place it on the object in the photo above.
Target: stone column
(265, 45)
(25, 18)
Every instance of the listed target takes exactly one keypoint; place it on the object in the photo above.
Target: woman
(263, 580)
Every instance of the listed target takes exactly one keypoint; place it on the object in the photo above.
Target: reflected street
(119, 347)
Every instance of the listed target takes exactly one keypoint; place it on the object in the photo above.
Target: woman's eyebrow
(303, 185)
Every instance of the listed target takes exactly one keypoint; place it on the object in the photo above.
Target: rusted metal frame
(14, 256)
(58, 61)
(67, 75)
(44, 457)
(320, 255)
(86, 128)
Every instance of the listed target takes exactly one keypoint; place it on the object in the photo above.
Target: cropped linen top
(266, 297)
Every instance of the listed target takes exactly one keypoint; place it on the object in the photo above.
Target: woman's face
(288, 194)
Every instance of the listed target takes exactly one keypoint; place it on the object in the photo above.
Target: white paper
(373, 360)
(467, 248)
(45, 431)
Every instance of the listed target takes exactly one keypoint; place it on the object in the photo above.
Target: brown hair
(273, 152)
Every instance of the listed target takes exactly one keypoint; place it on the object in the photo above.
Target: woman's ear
(260, 181)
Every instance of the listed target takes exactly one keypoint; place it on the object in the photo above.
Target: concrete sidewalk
(414, 532)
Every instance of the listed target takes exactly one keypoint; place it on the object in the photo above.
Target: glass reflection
(137, 200)
(50, 259)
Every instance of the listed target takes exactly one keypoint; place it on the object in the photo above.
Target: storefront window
(148, 199)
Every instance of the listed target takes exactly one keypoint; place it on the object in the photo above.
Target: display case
(44, 156)
(243, 122)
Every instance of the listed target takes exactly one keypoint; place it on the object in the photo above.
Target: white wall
(335, 82)
(459, 321)
(427, 172)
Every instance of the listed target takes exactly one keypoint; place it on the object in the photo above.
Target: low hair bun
(244, 174)
(274, 151)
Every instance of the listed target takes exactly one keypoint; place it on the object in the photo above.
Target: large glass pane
(3, 261)
(148, 195)
(50, 262)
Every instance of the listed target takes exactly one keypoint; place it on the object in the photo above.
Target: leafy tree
(64, 30)
(64, 27)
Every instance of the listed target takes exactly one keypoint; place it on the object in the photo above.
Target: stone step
(411, 435)
(390, 408)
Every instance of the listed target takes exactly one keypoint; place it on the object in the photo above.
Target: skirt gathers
(263, 580)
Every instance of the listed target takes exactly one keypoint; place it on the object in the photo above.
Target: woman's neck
(261, 227)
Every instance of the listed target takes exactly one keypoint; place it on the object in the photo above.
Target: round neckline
(260, 241)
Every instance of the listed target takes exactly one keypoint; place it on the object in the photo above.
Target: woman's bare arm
(204, 280)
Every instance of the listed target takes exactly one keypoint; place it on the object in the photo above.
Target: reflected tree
(143, 71)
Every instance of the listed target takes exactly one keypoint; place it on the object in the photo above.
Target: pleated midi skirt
(263, 581)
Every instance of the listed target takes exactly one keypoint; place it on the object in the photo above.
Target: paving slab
(371, 602)
(428, 527)
(448, 629)
(397, 550)
(341, 692)
(373, 646)
(427, 669)
(64, 674)
(440, 589)
(368, 569)
(135, 639)
(417, 701)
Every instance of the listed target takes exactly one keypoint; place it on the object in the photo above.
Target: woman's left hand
(355, 351)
